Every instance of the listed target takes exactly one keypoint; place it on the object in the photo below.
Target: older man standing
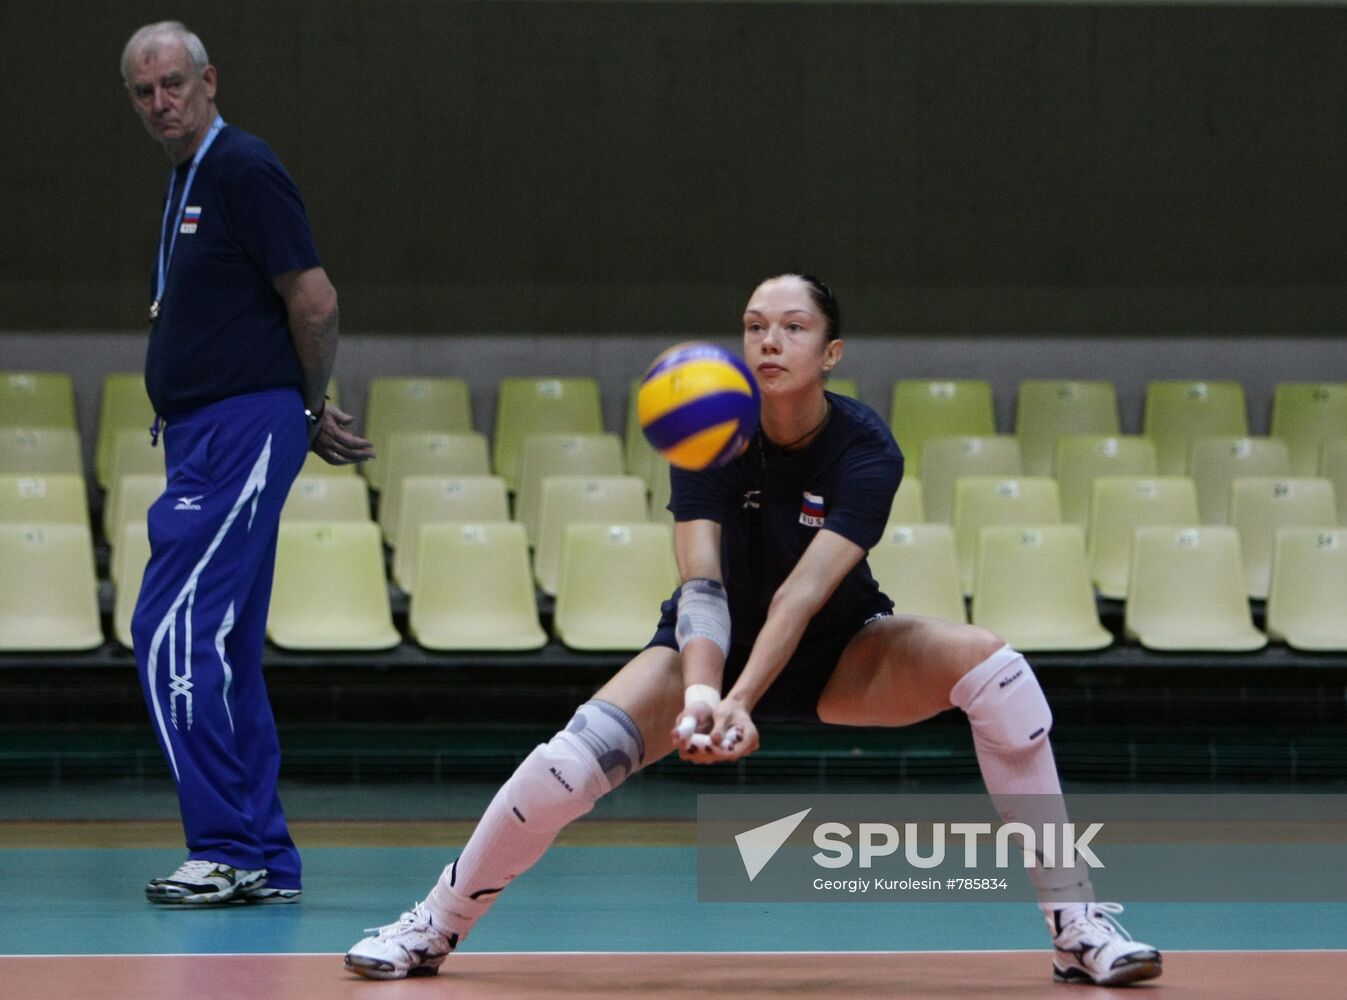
(243, 335)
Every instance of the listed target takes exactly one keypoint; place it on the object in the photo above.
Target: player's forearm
(775, 645)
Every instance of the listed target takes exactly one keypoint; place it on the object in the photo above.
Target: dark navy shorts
(794, 695)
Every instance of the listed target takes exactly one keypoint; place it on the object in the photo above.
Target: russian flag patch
(811, 510)
(191, 216)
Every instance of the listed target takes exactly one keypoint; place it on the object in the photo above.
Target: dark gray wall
(635, 167)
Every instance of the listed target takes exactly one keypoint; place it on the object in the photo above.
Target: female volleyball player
(778, 611)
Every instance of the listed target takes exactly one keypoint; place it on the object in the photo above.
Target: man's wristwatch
(314, 418)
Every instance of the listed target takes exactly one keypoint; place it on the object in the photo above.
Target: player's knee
(1004, 702)
(562, 779)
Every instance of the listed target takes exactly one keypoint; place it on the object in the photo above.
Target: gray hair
(149, 38)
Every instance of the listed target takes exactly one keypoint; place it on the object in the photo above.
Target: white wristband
(701, 692)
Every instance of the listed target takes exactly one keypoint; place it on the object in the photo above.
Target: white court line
(702, 954)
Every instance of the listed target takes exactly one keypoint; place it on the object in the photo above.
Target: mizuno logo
(751, 499)
(564, 783)
(188, 503)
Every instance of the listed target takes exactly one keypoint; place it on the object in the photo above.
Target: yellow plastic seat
(612, 580)
(1032, 587)
(411, 405)
(1259, 505)
(1333, 467)
(1081, 459)
(1188, 591)
(1308, 593)
(56, 499)
(983, 501)
(40, 451)
(327, 498)
(661, 492)
(567, 500)
(314, 465)
(1216, 462)
(842, 386)
(526, 406)
(638, 457)
(1178, 412)
(560, 455)
(130, 557)
(1305, 415)
(432, 499)
(123, 406)
(37, 399)
(948, 459)
(329, 591)
(909, 504)
(427, 453)
(480, 595)
(133, 453)
(1047, 409)
(922, 409)
(1119, 506)
(48, 591)
(128, 502)
(917, 566)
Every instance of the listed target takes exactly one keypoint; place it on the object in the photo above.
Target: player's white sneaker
(1094, 948)
(413, 946)
(197, 883)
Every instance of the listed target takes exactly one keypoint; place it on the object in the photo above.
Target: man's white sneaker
(198, 883)
(1094, 948)
(413, 946)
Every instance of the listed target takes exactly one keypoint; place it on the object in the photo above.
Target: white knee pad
(1004, 703)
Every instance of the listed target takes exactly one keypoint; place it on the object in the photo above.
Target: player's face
(173, 100)
(786, 341)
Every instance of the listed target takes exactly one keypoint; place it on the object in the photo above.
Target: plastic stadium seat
(427, 453)
(527, 406)
(48, 592)
(560, 455)
(947, 459)
(130, 557)
(330, 591)
(917, 566)
(327, 498)
(123, 406)
(409, 405)
(1305, 415)
(1215, 462)
(1032, 587)
(1333, 467)
(1081, 459)
(37, 399)
(431, 499)
(1188, 591)
(56, 499)
(481, 595)
(922, 409)
(1259, 505)
(661, 491)
(40, 451)
(909, 504)
(983, 501)
(315, 466)
(612, 580)
(638, 457)
(1308, 592)
(1120, 505)
(567, 500)
(133, 453)
(842, 386)
(1047, 409)
(127, 502)
(1178, 412)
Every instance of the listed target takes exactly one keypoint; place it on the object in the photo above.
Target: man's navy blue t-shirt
(222, 329)
(771, 503)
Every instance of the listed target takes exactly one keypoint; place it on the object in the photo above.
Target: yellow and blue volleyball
(698, 405)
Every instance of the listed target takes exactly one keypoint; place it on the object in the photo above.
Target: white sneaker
(413, 946)
(1094, 948)
(197, 883)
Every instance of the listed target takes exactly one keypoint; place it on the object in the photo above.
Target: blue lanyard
(161, 276)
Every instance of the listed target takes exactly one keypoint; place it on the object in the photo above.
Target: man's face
(175, 102)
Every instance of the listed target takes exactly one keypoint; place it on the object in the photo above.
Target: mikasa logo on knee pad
(188, 503)
(564, 783)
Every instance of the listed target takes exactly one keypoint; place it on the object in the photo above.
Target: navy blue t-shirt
(222, 329)
(770, 504)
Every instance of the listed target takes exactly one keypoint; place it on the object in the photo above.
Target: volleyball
(698, 405)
